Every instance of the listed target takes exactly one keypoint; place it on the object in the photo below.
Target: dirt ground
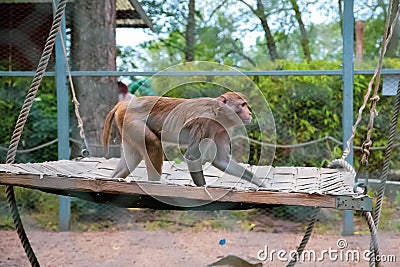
(185, 248)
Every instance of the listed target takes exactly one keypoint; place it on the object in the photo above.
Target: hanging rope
(85, 150)
(327, 138)
(373, 220)
(374, 245)
(306, 236)
(375, 98)
(335, 164)
(12, 151)
(388, 153)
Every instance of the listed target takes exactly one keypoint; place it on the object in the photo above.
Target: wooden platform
(89, 179)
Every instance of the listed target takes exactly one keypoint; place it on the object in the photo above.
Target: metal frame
(208, 73)
(62, 119)
(348, 88)
(363, 203)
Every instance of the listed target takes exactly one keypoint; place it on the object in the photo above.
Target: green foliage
(6, 223)
(230, 32)
(307, 108)
(41, 207)
(126, 54)
(374, 28)
(41, 126)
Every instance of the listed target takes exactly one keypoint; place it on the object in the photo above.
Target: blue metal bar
(204, 73)
(23, 73)
(62, 121)
(348, 81)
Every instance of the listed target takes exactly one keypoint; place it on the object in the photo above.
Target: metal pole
(348, 81)
(62, 120)
(97, 73)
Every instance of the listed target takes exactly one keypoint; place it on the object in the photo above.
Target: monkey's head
(235, 102)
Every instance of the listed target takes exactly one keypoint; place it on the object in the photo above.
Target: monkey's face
(235, 108)
(241, 108)
(244, 113)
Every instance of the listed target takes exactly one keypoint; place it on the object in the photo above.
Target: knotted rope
(12, 151)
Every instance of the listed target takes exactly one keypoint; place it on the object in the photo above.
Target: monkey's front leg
(224, 162)
(231, 167)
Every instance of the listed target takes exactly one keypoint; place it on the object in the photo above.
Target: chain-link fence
(308, 117)
(304, 116)
(25, 28)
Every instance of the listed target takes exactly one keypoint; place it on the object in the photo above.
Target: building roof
(24, 27)
(130, 13)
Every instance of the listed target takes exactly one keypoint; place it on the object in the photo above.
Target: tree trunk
(394, 42)
(359, 31)
(260, 13)
(305, 43)
(340, 7)
(190, 29)
(93, 48)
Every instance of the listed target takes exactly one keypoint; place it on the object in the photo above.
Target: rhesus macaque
(145, 122)
(123, 92)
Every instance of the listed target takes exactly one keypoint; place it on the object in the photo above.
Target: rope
(313, 142)
(306, 237)
(327, 138)
(74, 99)
(388, 153)
(375, 78)
(375, 98)
(288, 146)
(373, 220)
(373, 247)
(340, 163)
(44, 59)
(53, 142)
(33, 148)
(337, 163)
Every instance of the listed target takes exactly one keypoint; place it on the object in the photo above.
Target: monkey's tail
(107, 128)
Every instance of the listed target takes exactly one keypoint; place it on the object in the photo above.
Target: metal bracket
(363, 203)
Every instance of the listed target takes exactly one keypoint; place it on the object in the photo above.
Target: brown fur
(148, 119)
(108, 122)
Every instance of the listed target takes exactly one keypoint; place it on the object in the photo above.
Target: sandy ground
(183, 248)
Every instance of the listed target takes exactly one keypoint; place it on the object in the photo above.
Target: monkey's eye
(244, 104)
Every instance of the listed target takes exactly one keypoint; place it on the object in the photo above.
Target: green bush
(307, 108)
(41, 126)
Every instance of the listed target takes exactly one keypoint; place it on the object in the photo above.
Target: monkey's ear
(222, 100)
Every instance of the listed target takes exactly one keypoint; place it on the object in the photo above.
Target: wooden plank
(286, 179)
(166, 191)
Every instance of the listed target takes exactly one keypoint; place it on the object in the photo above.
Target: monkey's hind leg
(149, 146)
(154, 157)
(193, 160)
(130, 158)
